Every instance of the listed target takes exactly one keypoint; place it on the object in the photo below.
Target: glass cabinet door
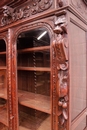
(34, 87)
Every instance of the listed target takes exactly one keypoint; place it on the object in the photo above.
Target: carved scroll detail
(12, 15)
(60, 50)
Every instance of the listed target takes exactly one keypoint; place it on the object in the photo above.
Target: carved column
(60, 74)
(11, 117)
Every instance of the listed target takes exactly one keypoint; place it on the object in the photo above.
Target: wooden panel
(78, 70)
(80, 7)
(81, 125)
(35, 101)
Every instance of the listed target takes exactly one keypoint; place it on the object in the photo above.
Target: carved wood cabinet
(43, 65)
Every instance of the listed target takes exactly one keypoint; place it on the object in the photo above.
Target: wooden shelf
(34, 68)
(3, 93)
(34, 49)
(3, 53)
(42, 122)
(3, 67)
(35, 101)
(3, 127)
(3, 117)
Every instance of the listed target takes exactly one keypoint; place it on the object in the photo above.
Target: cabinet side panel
(77, 70)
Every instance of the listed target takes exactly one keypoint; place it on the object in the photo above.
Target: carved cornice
(81, 7)
(85, 1)
(11, 15)
(60, 66)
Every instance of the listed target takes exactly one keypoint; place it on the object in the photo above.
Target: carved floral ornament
(60, 51)
(11, 15)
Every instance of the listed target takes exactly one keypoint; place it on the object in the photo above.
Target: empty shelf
(31, 123)
(35, 101)
(34, 68)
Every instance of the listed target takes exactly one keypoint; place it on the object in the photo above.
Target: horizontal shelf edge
(34, 49)
(34, 68)
(3, 53)
(3, 117)
(3, 67)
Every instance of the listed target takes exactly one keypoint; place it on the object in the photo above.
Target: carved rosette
(60, 59)
(11, 15)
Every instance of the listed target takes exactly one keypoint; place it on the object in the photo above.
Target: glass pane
(3, 88)
(34, 80)
(78, 70)
(2, 60)
(34, 59)
(30, 39)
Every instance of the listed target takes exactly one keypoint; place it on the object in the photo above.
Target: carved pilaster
(60, 71)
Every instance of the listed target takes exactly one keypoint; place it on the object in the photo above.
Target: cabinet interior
(3, 87)
(33, 63)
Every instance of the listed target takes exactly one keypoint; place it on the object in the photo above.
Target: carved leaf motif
(60, 46)
(61, 120)
(45, 4)
(63, 90)
(26, 12)
(64, 105)
(37, 6)
(65, 114)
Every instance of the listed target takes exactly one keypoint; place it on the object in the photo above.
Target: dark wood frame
(55, 16)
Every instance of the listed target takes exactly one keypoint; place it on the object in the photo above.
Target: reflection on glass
(34, 59)
(3, 87)
(29, 39)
